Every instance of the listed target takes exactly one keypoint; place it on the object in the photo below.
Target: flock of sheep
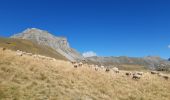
(22, 53)
(134, 75)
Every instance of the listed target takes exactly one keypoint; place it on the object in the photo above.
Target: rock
(59, 44)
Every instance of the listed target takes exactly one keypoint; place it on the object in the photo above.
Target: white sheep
(19, 53)
(139, 73)
(164, 76)
(136, 76)
(29, 54)
(115, 69)
(154, 72)
(102, 67)
(80, 64)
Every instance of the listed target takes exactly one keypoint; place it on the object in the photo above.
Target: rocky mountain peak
(42, 37)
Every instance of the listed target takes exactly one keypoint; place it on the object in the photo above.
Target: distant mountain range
(62, 48)
(150, 62)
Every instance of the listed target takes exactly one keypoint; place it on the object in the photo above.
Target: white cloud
(168, 46)
(89, 54)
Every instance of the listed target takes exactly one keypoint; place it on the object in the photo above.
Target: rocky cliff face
(60, 44)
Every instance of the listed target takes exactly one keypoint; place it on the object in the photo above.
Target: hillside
(149, 62)
(30, 47)
(60, 44)
(27, 78)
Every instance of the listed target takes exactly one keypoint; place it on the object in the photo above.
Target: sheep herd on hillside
(36, 56)
(133, 75)
(21, 53)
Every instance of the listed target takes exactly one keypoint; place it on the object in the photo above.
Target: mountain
(30, 47)
(151, 62)
(60, 44)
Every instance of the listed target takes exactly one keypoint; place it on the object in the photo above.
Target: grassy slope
(26, 78)
(28, 46)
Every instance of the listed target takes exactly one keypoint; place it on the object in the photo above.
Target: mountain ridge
(150, 62)
(60, 44)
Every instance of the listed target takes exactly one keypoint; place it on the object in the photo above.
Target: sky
(134, 28)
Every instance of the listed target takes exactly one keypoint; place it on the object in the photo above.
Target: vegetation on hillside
(30, 47)
(27, 78)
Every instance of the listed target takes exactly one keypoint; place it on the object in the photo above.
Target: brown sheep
(96, 69)
(75, 65)
(107, 69)
(3, 49)
(73, 62)
(128, 73)
(165, 77)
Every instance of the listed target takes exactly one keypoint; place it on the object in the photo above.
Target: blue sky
(108, 27)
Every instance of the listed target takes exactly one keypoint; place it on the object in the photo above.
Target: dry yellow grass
(26, 78)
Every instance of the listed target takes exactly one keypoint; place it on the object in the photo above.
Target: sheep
(75, 65)
(165, 77)
(107, 70)
(139, 73)
(84, 61)
(154, 72)
(19, 53)
(160, 74)
(80, 64)
(34, 56)
(136, 76)
(115, 69)
(128, 73)
(3, 49)
(53, 59)
(91, 66)
(29, 54)
(102, 67)
(96, 68)
(73, 62)
(24, 53)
